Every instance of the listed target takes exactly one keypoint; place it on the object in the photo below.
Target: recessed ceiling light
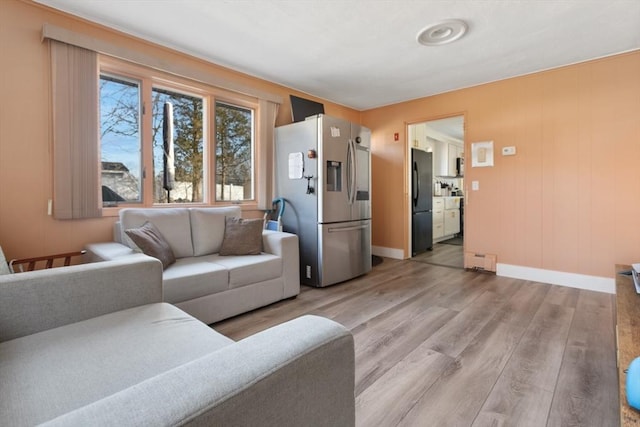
(442, 32)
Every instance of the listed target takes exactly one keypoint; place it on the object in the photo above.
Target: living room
(560, 212)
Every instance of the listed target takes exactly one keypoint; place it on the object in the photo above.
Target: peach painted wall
(568, 201)
(25, 158)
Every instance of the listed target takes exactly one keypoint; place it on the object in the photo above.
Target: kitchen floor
(443, 254)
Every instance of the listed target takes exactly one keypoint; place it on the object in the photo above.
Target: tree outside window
(234, 152)
(188, 136)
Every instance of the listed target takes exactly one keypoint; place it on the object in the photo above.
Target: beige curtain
(76, 150)
(265, 178)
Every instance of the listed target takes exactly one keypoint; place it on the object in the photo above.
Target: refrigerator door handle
(416, 183)
(341, 229)
(349, 155)
(354, 172)
(351, 172)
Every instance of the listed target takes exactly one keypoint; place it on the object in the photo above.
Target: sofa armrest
(300, 373)
(35, 301)
(107, 251)
(285, 245)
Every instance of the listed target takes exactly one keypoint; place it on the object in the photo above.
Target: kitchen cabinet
(438, 218)
(414, 136)
(451, 221)
(452, 215)
(440, 158)
(444, 158)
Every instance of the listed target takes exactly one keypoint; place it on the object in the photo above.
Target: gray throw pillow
(242, 236)
(149, 239)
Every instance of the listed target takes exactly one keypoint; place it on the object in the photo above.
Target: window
(234, 152)
(120, 140)
(210, 157)
(188, 145)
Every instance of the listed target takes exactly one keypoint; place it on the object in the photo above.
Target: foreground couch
(92, 345)
(203, 283)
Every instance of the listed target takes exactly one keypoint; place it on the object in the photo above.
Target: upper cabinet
(418, 137)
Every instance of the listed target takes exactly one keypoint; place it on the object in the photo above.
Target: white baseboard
(572, 280)
(387, 252)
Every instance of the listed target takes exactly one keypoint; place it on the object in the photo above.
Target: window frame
(150, 78)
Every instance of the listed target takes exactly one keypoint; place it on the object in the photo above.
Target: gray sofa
(92, 345)
(206, 285)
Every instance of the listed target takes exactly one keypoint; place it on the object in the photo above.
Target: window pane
(188, 132)
(234, 152)
(120, 143)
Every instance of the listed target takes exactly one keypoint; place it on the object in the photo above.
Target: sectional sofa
(93, 345)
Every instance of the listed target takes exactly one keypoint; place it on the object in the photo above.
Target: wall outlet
(509, 151)
(475, 185)
(308, 272)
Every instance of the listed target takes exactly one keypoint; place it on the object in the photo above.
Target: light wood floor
(438, 346)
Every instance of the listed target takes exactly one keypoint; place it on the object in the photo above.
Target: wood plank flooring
(440, 346)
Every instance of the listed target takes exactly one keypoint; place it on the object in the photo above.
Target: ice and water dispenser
(334, 175)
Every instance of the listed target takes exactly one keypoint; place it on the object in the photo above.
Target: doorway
(444, 139)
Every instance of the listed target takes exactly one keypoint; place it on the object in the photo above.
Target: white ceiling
(363, 53)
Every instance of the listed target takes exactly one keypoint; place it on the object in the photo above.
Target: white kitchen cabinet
(451, 221)
(418, 137)
(444, 158)
(440, 167)
(452, 202)
(452, 215)
(414, 137)
(438, 218)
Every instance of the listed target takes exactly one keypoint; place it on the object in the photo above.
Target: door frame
(408, 176)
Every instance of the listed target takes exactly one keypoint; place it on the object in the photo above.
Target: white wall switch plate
(509, 151)
(475, 185)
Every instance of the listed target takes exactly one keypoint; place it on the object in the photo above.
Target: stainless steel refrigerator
(322, 168)
(421, 201)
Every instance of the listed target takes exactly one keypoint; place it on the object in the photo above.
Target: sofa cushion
(173, 223)
(246, 270)
(207, 228)
(149, 239)
(242, 237)
(53, 372)
(193, 277)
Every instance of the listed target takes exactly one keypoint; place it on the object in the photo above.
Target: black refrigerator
(421, 201)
